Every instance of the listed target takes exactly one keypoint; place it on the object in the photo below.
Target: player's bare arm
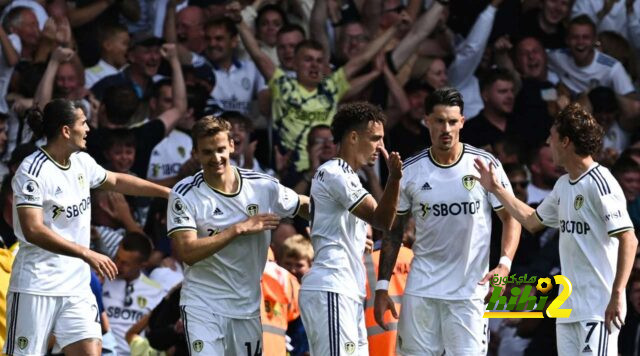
(522, 212)
(381, 216)
(37, 233)
(511, 230)
(626, 255)
(130, 185)
(303, 210)
(391, 243)
(190, 248)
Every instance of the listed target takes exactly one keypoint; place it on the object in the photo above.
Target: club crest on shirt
(577, 203)
(23, 342)
(182, 151)
(468, 182)
(81, 180)
(349, 347)
(198, 345)
(142, 301)
(252, 209)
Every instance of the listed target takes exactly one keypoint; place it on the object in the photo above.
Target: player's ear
(66, 131)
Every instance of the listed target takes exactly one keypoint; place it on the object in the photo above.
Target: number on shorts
(258, 349)
(93, 306)
(593, 326)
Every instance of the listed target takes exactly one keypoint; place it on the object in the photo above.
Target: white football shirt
(169, 155)
(587, 212)
(126, 303)
(63, 195)
(453, 224)
(228, 282)
(338, 237)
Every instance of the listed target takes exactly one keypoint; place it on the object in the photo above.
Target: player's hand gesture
(381, 304)
(259, 222)
(101, 264)
(394, 163)
(500, 271)
(614, 312)
(487, 177)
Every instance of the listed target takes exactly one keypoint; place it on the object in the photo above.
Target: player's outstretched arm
(522, 212)
(130, 185)
(626, 255)
(381, 216)
(391, 243)
(37, 233)
(191, 249)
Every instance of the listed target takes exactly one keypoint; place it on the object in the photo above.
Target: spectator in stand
(119, 150)
(627, 172)
(114, 45)
(289, 36)
(544, 174)
(244, 143)
(496, 119)
(410, 135)
(607, 112)
(547, 23)
(22, 22)
(320, 149)
(190, 28)
(616, 16)
(297, 255)
(10, 48)
(132, 294)
(271, 18)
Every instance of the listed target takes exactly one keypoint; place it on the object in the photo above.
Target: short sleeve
(404, 203)
(547, 211)
(180, 215)
(622, 84)
(504, 180)
(277, 81)
(96, 174)
(28, 190)
(611, 208)
(345, 188)
(340, 83)
(286, 202)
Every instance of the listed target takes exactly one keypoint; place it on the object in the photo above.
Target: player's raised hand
(101, 264)
(381, 304)
(259, 222)
(394, 163)
(487, 176)
(614, 312)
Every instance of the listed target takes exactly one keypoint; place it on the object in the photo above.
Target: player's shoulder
(32, 164)
(602, 180)
(256, 178)
(474, 152)
(410, 163)
(336, 166)
(605, 60)
(183, 187)
(150, 283)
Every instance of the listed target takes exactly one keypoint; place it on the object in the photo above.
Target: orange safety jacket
(381, 342)
(279, 306)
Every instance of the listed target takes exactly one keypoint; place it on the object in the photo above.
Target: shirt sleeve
(338, 80)
(28, 190)
(504, 180)
(404, 203)
(277, 81)
(180, 215)
(547, 211)
(611, 207)
(286, 202)
(622, 84)
(96, 174)
(345, 188)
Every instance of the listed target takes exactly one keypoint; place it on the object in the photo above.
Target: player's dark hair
(443, 96)
(309, 44)
(56, 114)
(224, 22)
(208, 126)
(581, 128)
(286, 28)
(355, 117)
(137, 242)
(582, 20)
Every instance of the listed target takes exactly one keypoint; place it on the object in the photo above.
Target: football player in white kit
(443, 301)
(49, 291)
(219, 221)
(597, 241)
(333, 291)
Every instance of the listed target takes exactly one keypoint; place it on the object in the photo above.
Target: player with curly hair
(588, 207)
